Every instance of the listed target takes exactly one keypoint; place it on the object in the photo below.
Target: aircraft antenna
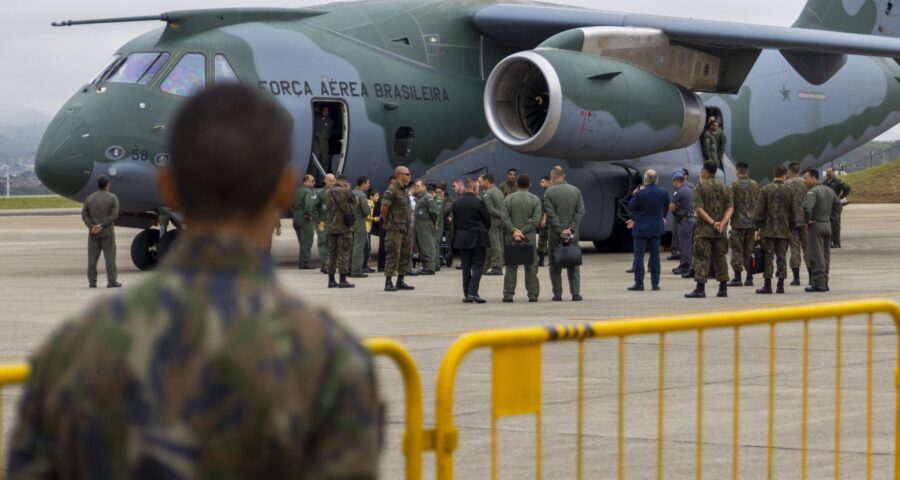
(149, 18)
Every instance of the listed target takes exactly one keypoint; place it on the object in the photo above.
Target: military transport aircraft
(458, 87)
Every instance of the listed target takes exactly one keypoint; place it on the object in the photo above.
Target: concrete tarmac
(42, 282)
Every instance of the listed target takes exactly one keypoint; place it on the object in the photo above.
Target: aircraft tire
(143, 253)
(165, 243)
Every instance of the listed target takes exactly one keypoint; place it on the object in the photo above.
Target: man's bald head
(329, 180)
(650, 177)
(557, 174)
(402, 175)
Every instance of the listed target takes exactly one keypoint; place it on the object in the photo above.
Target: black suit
(471, 223)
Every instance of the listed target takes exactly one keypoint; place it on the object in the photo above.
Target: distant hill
(879, 184)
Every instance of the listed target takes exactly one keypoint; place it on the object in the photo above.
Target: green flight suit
(426, 218)
(710, 246)
(821, 202)
(440, 202)
(303, 209)
(798, 235)
(321, 215)
(522, 210)
(397, 231)
(745, 197)
(493, 200)
(777, 217)
(340, 201)
(508, 189)
(543, 235)
(565, 208)
(360, 211)
(101, 208)
(840, 189)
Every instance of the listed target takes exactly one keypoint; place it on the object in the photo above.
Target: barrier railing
(415, 440)
(516, 380)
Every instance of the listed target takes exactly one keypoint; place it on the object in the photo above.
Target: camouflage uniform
(321, 147)
(493, 200)
(714, 145)
(564, 206)
(710, 246)
(819, 207)
(340, 201)
(321, 215)
(361, 211)
(101, 208)
(799, 254)
(398, 242)
(303, 209)
(745, 197)
(426, 218)
(438, 232)
(208, 369)
(840, 189)
(776, 217)
(522, 210)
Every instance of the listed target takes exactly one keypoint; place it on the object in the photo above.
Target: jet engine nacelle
(577, 106)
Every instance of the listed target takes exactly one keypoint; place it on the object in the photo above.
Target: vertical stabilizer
(869, 17)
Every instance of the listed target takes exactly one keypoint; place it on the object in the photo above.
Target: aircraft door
(330, 138)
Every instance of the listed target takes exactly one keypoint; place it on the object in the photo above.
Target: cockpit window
(188, 76)
(224, 72)
(106, 66)
(139, 68)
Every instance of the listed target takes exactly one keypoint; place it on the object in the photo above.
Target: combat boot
(331, 282)
(749, 281)
(541, 260)
(809, 275)
(796, 281)
(723, 290)
(767, 287)
(401, 285)
(699, 291)
(780, 287)
(389, 285)
(737, 280)
(344, 283)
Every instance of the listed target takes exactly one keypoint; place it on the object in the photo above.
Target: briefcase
(757, 260)
(566, 256)
(518, 253)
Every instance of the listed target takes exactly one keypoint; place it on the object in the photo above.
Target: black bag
(518, 253)
(757, 260)
(567, 255)
(348, 217)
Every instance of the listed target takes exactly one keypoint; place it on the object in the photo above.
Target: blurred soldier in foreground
(564, 207)
(521, 217)
(745, 196)
(361, 211)
(713, 207)
(819, 208)
(493, 200)
(341, 202)
(208, 369)
(682, 208)
(776, 217)
(99, 213)
(840, 189)
(396, 218)
(798, 235)
(303, 209)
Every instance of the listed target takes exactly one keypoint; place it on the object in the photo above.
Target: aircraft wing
(815, 54)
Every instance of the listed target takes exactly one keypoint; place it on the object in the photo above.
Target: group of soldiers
(414, 220)
(792, 213)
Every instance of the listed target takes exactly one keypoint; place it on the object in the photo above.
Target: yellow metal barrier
(415, 440)
(516, 378)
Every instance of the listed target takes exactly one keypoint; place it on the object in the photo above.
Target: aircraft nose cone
(64, 159)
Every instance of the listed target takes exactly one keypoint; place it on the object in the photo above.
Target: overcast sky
(42, 66)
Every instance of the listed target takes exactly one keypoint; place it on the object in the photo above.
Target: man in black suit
(648, 209)
(471, 223)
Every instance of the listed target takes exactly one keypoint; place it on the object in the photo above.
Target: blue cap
(678, 174)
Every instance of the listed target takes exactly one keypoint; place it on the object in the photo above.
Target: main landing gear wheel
(144, 249)
(165, 243)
